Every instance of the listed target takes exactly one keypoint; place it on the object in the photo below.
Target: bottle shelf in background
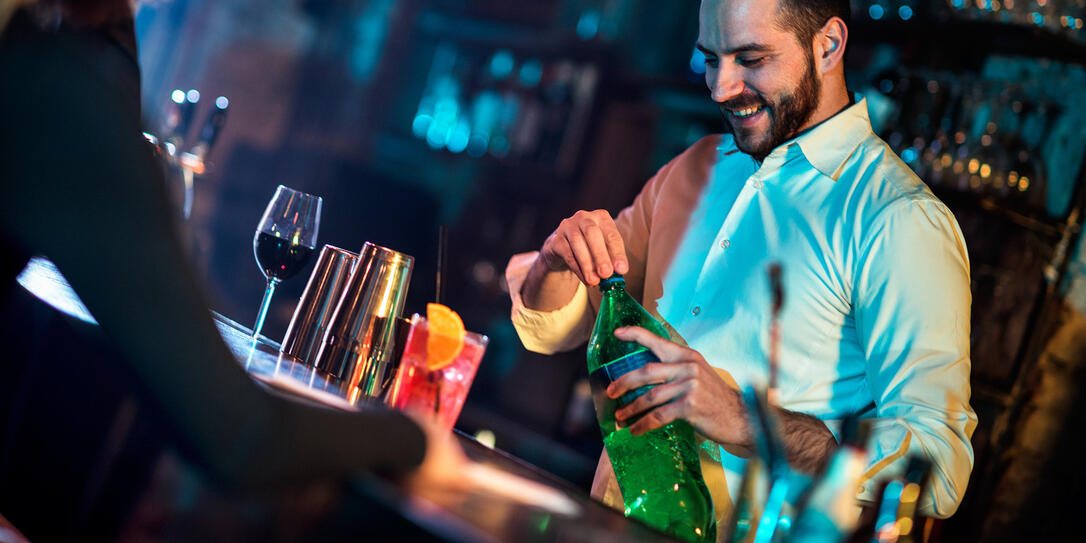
(1008, 133)
(1057, 22)
(523, 101)
(952, 43)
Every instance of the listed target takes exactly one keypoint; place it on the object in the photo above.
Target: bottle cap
(615, 278)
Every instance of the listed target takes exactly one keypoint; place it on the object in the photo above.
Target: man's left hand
(685, 387)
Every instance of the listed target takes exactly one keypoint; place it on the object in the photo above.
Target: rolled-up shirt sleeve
(565, 328)
(547, 332)
(912, 304)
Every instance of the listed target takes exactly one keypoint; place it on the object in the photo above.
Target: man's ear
(829, 45)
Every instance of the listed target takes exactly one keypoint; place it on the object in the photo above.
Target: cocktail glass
(437, 393)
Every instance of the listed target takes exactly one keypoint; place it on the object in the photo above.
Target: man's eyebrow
(745, 48)
(749, 48)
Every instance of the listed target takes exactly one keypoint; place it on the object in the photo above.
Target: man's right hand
(587, 244)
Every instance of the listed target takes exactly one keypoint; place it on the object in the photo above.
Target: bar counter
(509, 500)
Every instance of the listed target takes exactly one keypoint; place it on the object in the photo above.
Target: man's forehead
(726, 24)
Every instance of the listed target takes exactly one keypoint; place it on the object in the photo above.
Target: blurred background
(499, 119)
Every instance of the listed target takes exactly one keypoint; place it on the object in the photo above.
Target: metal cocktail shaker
(357, 348)
(326, 286)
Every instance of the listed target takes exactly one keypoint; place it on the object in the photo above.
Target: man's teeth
(746, 112)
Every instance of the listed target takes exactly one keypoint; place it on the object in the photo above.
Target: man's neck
(829, 106)
(849, 102)
(812, 124)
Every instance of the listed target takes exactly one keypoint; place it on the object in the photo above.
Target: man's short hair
(806, 17)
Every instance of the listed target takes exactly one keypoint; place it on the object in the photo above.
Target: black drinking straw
(442, 258)
(439, 295)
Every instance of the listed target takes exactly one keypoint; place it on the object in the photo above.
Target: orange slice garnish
(444, 338)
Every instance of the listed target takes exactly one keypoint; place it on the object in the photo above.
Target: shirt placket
(723, 243)
(731, 233)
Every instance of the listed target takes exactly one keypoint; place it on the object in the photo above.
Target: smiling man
(876, 322)
(769, 90)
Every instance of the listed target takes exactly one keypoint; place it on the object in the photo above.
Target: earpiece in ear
(833, 47)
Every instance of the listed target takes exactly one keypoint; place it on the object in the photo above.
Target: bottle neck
(612, 284)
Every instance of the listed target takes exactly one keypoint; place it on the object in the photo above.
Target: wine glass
(285, 240)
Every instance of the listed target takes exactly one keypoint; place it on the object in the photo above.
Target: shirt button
(696, 311)
(758, 184)
(724, 244)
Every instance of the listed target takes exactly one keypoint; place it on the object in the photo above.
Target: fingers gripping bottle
(658, 472)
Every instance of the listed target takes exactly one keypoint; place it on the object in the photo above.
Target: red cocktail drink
(437, 392)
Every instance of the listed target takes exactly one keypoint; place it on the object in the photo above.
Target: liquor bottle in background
(179, 118)
(167, 144)
(193, 163)
(175, 110)
(658, 472)
(209, 133)
(831, 512)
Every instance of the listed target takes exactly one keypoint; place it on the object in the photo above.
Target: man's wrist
(808, 442)
(543, 287)
(533, 283)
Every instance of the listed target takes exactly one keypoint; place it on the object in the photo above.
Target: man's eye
(711, 61)
(750, 62)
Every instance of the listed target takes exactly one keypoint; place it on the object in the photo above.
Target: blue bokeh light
(421, 125)
(499, 146)
(477, 145)
(905, 12)
(531, 72)
(459, 136)
(876, 11)
(437, 135)
(501, 64)
(589, 24)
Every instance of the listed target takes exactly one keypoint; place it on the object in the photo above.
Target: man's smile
(746, 116)
(745, 112)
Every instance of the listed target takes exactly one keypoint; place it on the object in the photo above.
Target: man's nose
(725, 84)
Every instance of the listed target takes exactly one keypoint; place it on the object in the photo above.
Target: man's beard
(786, 115)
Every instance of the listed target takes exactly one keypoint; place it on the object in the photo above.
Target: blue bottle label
(606, 375)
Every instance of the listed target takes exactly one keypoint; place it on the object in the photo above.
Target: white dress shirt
(876, 276)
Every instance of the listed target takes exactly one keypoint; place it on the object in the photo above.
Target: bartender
(877, 317)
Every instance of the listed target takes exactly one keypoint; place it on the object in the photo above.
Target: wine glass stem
(264, 308)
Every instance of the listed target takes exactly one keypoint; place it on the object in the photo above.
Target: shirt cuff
(547, 332)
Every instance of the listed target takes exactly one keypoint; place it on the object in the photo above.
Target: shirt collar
(828, 144)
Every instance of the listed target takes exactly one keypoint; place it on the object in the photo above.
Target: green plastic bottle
(658, 472)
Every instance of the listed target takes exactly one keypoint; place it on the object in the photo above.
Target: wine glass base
(265, 340)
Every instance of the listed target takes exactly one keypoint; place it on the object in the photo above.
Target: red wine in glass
(278, 258)
(284, 240)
